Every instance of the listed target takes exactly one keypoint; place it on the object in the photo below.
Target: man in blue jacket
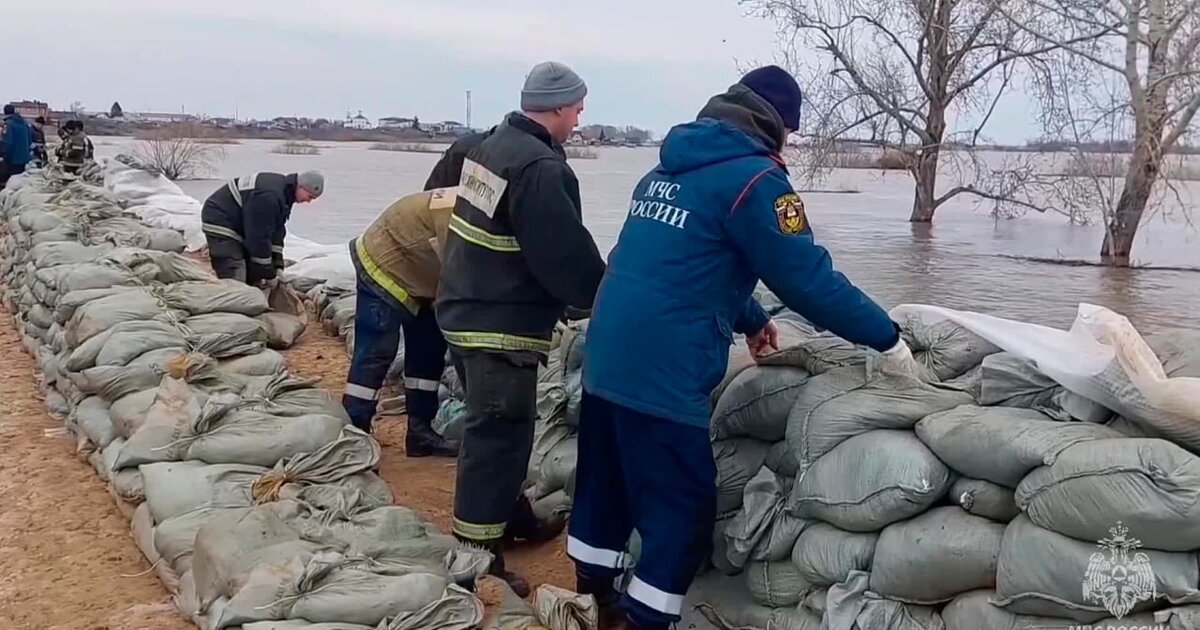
(713, 218)
(16, 146)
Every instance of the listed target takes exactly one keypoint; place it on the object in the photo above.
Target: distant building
(157, 118)
(396, 122)
(31, 109)
(576, 139)
(358, 122)
(448, 126)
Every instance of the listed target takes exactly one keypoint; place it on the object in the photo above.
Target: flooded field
(964, 260)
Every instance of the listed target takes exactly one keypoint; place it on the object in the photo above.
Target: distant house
(156, 118)
(396, 122)
(448, 126)
(576, 139)
(31, 109)
(358, 122)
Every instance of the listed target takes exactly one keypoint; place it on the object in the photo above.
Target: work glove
(267, 285)
(576, 314)
(899, 361)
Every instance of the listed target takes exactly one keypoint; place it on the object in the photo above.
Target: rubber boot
(518, 584)
(422, 441)
(525, 525)
(608, 600)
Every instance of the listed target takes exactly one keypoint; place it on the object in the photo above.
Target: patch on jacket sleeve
(789, 212)
(442, 198)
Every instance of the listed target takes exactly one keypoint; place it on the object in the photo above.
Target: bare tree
(1125, 68)
(176, 151)
(890, 74)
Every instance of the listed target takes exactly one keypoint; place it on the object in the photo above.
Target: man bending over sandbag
(398, 267)
(245, 222)
(716, 215)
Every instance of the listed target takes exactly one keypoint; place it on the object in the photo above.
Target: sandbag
(262, 363)
(816, 353)
(99, 315)
(756, 403)
(826, 555)
(556, 468)
(782, 460)
(1152, 486)
(129, 411)
(1001, 444)
(946, 349)
(283, 330)
(849, 606)
(845, 402)
(92, 417)
(776, 584)
(974, 610)
(738, 461)
(112, 382)
(1010, 380)
(1179, 351)
(215, 296)
(1041, 572)
(123, 343)
(226, 334)
(870, 481)
(936, 555)
(762, 530)
(984, 498)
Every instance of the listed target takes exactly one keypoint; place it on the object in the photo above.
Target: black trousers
(8, 170)
(501, 392)
(228, 258)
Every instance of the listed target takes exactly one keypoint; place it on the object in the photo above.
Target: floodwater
(965, 260)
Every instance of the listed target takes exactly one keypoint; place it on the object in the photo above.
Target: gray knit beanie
(312, 181)
(551, 85)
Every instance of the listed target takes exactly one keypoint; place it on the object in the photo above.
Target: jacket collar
(289, 189)
(521, 122)
(741, 107)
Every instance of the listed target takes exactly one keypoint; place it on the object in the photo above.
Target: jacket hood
(735, 124)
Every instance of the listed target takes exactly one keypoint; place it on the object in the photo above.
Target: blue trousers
(377, 329)
(652, 474)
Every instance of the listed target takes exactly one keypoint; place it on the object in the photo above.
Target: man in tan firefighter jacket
(396, 262)
(517, 255)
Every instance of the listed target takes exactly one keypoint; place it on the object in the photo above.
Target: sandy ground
(67, 560)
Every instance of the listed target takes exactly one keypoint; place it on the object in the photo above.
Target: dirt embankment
(67, 561)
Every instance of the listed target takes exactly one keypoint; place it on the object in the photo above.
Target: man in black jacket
(245, 222)
(517, 254)
(448, 170)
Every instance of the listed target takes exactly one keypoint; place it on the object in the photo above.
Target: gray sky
(650, 63)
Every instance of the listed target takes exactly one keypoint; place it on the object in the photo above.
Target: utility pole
(468, 121)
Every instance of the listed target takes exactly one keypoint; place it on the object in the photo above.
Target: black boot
(518, 584)
(422, 441)
(525, 525)
(611, 617)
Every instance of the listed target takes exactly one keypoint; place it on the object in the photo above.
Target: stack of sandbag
(248, 491)
(972, 498)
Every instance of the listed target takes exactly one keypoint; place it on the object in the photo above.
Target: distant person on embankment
(76, 149)
(245, 223)
(16, 145)
(717, 214)
(40, 157)
(517, 254)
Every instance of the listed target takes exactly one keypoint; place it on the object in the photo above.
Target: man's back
(403, 245)
(18, 140)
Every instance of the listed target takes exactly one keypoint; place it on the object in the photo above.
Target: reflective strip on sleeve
(278, 249)
(220, 230)
(496, 341)
(239, 184)
(479, 532)
(476, 236)
(260, 261)
(364, 393)
(421, 384)
(655, 598)
(381, 278)
(588, 554)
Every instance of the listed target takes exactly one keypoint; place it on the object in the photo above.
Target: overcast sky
(320, 58)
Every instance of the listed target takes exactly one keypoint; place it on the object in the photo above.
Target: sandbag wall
(987, 498)
(248, 491)
(552, 463)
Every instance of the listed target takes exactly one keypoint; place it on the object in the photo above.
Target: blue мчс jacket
(16, 146)
(716, 215)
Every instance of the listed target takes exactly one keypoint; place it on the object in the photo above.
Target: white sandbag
(846, 402)
(215, 296)
(984, 498)
(738, 461)
(826, 555)
(1001, 444)
(946, 349)
(975, 611)
(1013, 381)
(870, 481)
(936, 555)
(1041, 572)
(756, 403)
(92, 417)
(776, 584)
(1152, 486)
(762, 530)
(128, 413)
(1102, 359)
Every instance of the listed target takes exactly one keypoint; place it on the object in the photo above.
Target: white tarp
(1101, 358)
